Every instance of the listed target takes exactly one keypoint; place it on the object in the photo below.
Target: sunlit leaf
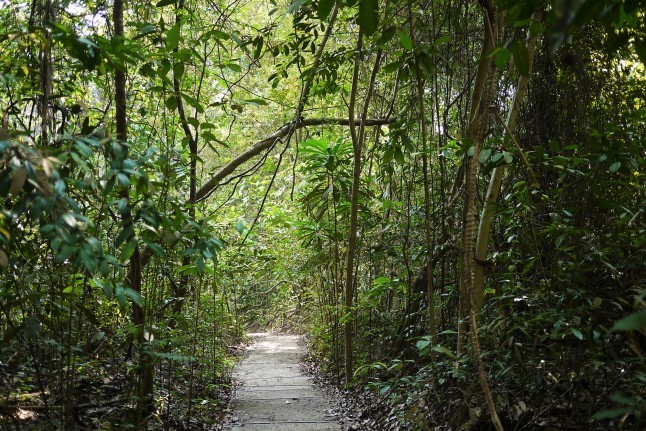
(296, 5)
(172, 38)
(405, 41)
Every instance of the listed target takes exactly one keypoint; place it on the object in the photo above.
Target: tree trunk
(477, 127)
(133, 278)
(491, 198)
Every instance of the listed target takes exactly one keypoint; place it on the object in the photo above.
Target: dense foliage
(447, 196)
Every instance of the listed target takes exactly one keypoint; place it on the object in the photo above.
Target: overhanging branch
(270, 141)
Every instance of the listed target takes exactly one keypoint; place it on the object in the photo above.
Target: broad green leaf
(405, 41)
(501, 58)
(577, 333)
(134, 295)
(253, 102)
(387, 35)
(193, 102)
(508, 157)
(484, 155)
(129, 249)
(442, 40)
(171, 103)
(634, 321)
(615, 166)
(178, 70)
(442, 349)
(124, 235)
(368, 16)
(218, 34)
(324, 8)
(240, 227)
(172, 38)
(423, 344)
(32, 326)
(258, 43)
(89, 260)
(296, 5)
(392, 67)
(521, 57)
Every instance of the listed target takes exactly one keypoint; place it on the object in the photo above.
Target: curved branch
(269, 142)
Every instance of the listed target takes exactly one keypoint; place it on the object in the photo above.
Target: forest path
(274, 393)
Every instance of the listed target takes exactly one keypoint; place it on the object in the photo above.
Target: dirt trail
(274, 394)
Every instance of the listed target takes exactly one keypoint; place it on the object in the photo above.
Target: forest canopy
(446, 197)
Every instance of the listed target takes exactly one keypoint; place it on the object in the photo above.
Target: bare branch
(270, 141)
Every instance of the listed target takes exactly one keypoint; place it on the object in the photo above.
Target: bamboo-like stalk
(477, 127)
(495, 182)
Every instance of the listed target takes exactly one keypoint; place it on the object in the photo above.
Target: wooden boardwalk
(274, 394)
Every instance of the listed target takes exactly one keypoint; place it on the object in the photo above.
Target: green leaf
(423, 344)
(368, 16)
(296, 5)
(634, 321)
(254, 102)
(521, 57)
(324, 8)
(577, 333)
(32, 326)
(134, 296)
(387, 35)
(484, 155)
(615, 166)
(240, 227)
(442, 40)
(129, 249)
(392, 67)
(171, 103)
(124, 235)
(501, 58)
(156, 248)
(508, 157)
(178, 70)
(172, 38)
(193, 102)
(611, 413)
(405, 41)
(442, 349)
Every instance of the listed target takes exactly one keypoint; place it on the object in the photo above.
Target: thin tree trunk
(133, 278)
(495, 182)
(354, 210)
(182, 287)
(430, 295)
(477, 127)
(357, 144)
